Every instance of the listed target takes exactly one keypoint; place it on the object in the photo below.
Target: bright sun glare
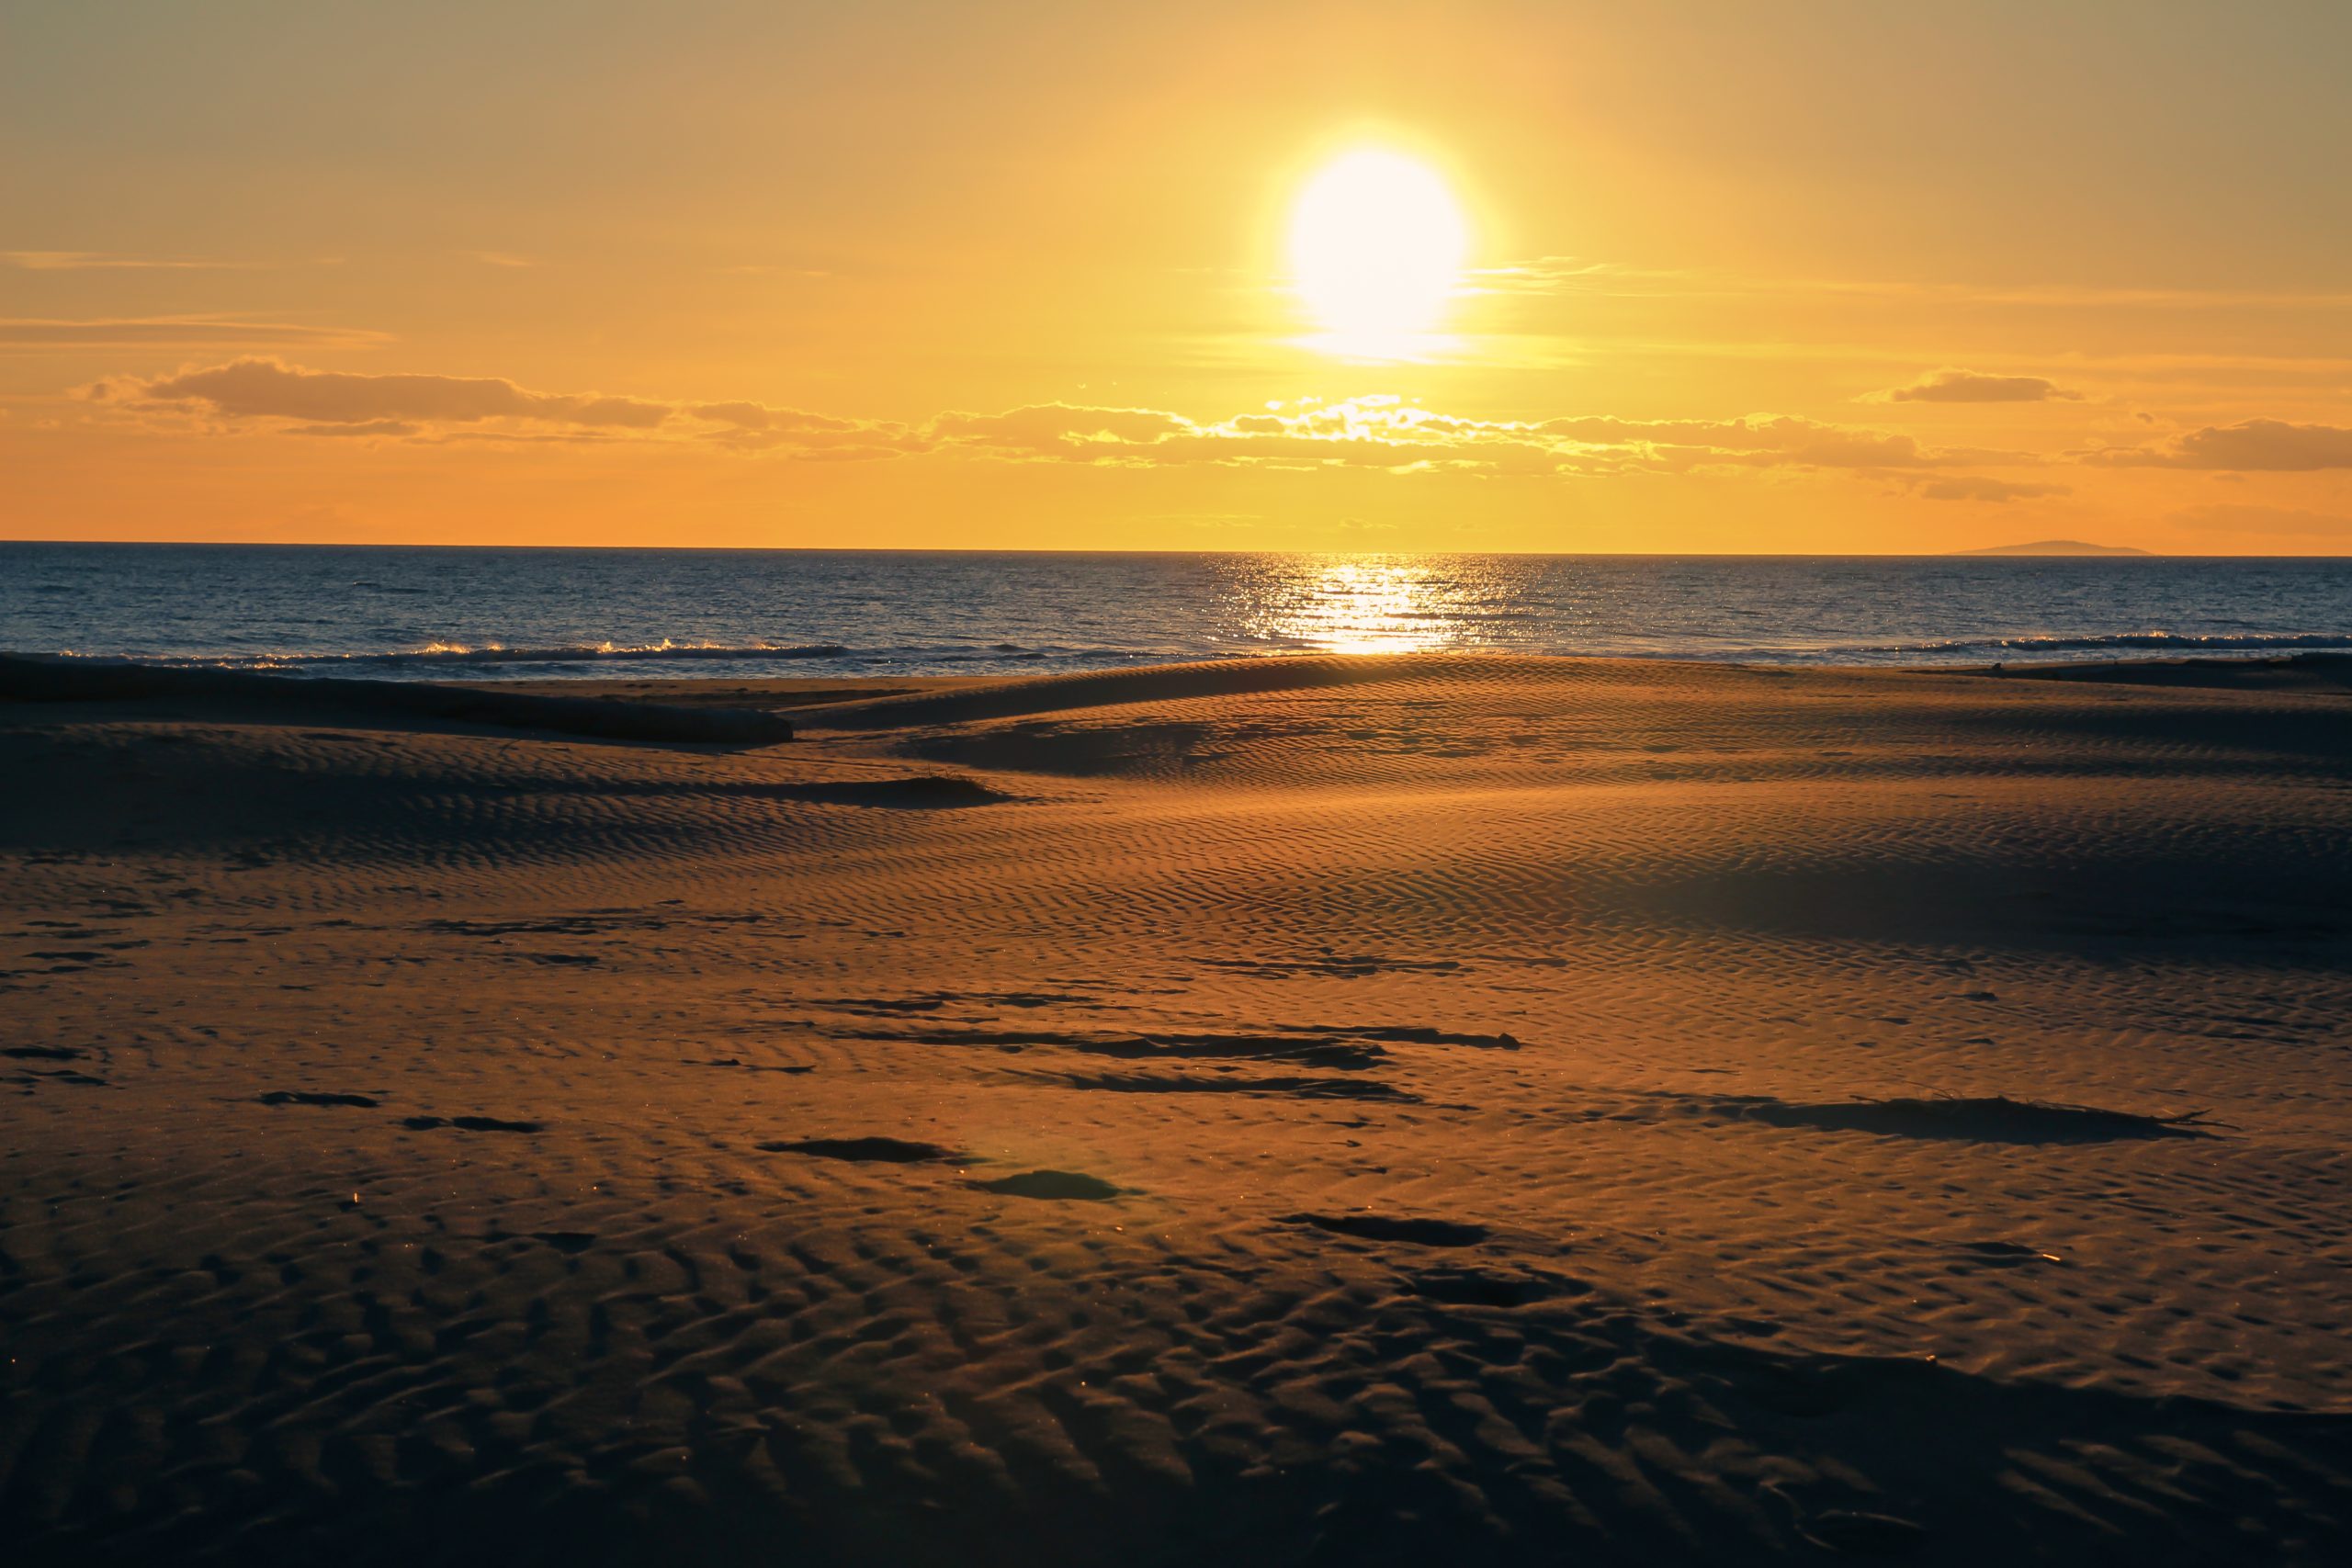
(1376, 248)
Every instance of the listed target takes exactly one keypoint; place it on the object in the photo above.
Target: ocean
(435, 613)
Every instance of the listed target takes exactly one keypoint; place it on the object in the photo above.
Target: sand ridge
(1283, 1110)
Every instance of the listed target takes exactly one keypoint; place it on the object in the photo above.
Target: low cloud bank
(1376, 432)
(2253, 446)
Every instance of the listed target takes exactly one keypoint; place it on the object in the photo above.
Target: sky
(1818, 277)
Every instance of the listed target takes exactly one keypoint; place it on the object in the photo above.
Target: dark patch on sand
(1395, 1227)
(1071, 748)
(1413, 1034)
(1296, 1087)
(888, 1151)
(470, 1124)
(1462, 1285)
(574, 1242)
(1333, 966)
(920, 792)
(1344, 1055)
(1058, 1184)
(1994, 1120)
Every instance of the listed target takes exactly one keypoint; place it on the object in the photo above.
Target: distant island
(2056, 548)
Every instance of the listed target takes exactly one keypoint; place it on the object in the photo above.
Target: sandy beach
(1438, 1110)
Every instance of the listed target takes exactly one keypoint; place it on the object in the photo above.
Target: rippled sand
(1420, 1110)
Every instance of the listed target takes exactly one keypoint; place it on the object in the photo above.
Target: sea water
(435, 613)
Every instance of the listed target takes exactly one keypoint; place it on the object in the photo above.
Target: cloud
(1385, 432)
(2262, 520)
(1062, 430)
(292, 400)
(1380, 432)
(370, 427)
(1976, 487)
(178, 331)
(757, 427)
(2263, 446)
(99, 261)
(1572, 274)
(1974, 387)
(1376, 432)
(248, 389)
(1766, 440)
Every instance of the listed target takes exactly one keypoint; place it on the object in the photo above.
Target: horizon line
(1975, 552)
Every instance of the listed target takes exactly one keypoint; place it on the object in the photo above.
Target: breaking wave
(461, 654)
(587, 653)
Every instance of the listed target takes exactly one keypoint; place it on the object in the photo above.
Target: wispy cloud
(362, 427)
(271, 394)
(1975, 387)
(1573, 275)
(100, 261)
(268, 389)
(178, 331)
(776, 270)
(2253, 446)
(1977, 487)
(757, 427)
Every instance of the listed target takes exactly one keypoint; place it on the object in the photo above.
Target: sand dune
(1441, 1109)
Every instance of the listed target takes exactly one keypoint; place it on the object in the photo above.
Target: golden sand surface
(1435, 1110)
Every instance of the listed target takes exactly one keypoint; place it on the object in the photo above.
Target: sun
(1377, 244)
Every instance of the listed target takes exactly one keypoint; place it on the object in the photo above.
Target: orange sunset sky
(1807, 277)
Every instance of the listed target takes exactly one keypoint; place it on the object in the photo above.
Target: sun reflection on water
(1364, 603)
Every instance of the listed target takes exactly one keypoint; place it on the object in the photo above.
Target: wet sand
(1423, 1110)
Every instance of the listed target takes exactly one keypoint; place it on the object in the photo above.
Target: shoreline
(2311, 671)
(48, 678)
